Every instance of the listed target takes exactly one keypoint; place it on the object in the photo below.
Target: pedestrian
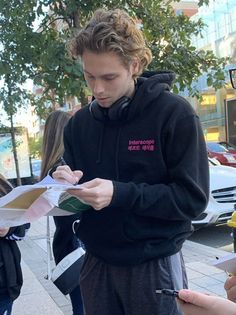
(145, 172)
(11, 278)
(64, 239)
(195, 303)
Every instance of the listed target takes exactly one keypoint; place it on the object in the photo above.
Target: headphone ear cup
(96, 111)
(119, 110)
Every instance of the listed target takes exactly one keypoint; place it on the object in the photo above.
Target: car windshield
(216, 147)
(228, 146)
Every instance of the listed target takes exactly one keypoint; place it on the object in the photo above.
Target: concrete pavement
(40, 297)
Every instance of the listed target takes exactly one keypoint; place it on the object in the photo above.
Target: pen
(169, 292)
(63, 162)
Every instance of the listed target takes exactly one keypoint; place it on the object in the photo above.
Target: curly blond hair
(113, 31)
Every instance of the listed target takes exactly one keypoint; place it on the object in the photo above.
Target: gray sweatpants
(118, 290)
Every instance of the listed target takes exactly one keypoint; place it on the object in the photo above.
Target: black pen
(63, 162)
(169, 292)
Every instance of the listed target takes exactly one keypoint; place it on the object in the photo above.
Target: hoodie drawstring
(100, 145)
(117, 153)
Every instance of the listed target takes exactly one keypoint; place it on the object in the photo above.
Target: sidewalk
(40, 297)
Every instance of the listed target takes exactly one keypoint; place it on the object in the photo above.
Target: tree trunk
(14, 151)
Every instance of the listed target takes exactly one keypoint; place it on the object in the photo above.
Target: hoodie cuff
(121, 195)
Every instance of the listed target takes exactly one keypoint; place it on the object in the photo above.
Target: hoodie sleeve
(186, 194)
(17, 233)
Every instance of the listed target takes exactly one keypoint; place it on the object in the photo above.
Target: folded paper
(30, 202)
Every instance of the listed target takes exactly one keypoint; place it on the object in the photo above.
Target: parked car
(229, 146)
(224, 152)
(222, 196)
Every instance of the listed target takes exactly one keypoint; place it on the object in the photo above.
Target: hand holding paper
(28, 203)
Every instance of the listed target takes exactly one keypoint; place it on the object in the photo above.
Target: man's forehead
(102, 63)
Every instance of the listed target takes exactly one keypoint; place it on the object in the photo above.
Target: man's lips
(101, 98)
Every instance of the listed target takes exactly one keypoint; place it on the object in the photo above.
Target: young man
(143, 156)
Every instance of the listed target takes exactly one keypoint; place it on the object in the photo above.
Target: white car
(222, 200)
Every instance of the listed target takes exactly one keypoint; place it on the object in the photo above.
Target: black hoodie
(157, 160)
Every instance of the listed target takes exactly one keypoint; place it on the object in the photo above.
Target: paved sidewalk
(40, 297)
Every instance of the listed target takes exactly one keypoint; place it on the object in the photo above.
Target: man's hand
(230, 287)
(195, 303)
(3, 231)
(96, 193)
(65, 175)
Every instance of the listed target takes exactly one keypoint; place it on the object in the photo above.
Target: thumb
(78, 175)
(195, 298)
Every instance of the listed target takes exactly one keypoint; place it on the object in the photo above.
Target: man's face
(107, 76)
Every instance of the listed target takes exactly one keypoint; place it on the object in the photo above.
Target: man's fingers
(92, 183)
(78, 175)
(230, 282)
(195, 298)
(64, 172)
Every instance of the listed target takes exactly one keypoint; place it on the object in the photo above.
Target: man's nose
(98, 87)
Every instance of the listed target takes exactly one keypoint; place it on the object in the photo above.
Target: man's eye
(109, 78)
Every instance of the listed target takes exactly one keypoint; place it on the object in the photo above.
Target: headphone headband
(117, 111)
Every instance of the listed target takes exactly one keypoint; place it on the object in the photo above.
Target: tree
(35, 147)
(168, 36)
(15, 67)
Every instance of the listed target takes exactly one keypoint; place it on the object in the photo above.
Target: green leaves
(34, 36)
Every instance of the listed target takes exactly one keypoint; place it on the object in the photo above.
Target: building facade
(220, 37)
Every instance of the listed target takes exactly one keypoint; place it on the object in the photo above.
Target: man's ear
(135, 65)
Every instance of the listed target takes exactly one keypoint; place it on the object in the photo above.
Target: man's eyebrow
(103, 75)
(87, 71)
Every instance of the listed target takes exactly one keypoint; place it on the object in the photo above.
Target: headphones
(117, 111)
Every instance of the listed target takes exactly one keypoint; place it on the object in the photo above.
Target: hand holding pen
(64, 173)
(196, 303)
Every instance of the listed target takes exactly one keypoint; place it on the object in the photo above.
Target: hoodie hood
(148, 88)
(160, 76)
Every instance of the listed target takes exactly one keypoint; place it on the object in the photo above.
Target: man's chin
(105, 103)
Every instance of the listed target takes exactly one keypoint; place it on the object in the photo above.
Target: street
(214, 236)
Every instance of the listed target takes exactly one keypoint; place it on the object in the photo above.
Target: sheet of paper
(29, 202)
(226, 263)
(48, 181)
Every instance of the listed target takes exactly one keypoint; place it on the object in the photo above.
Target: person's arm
(195, 303)
(230, 287)
(17, 233)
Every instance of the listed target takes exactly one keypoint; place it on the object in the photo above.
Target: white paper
(30, 202)
(226, 263)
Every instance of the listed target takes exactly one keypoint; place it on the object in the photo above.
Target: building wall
(220, 36)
